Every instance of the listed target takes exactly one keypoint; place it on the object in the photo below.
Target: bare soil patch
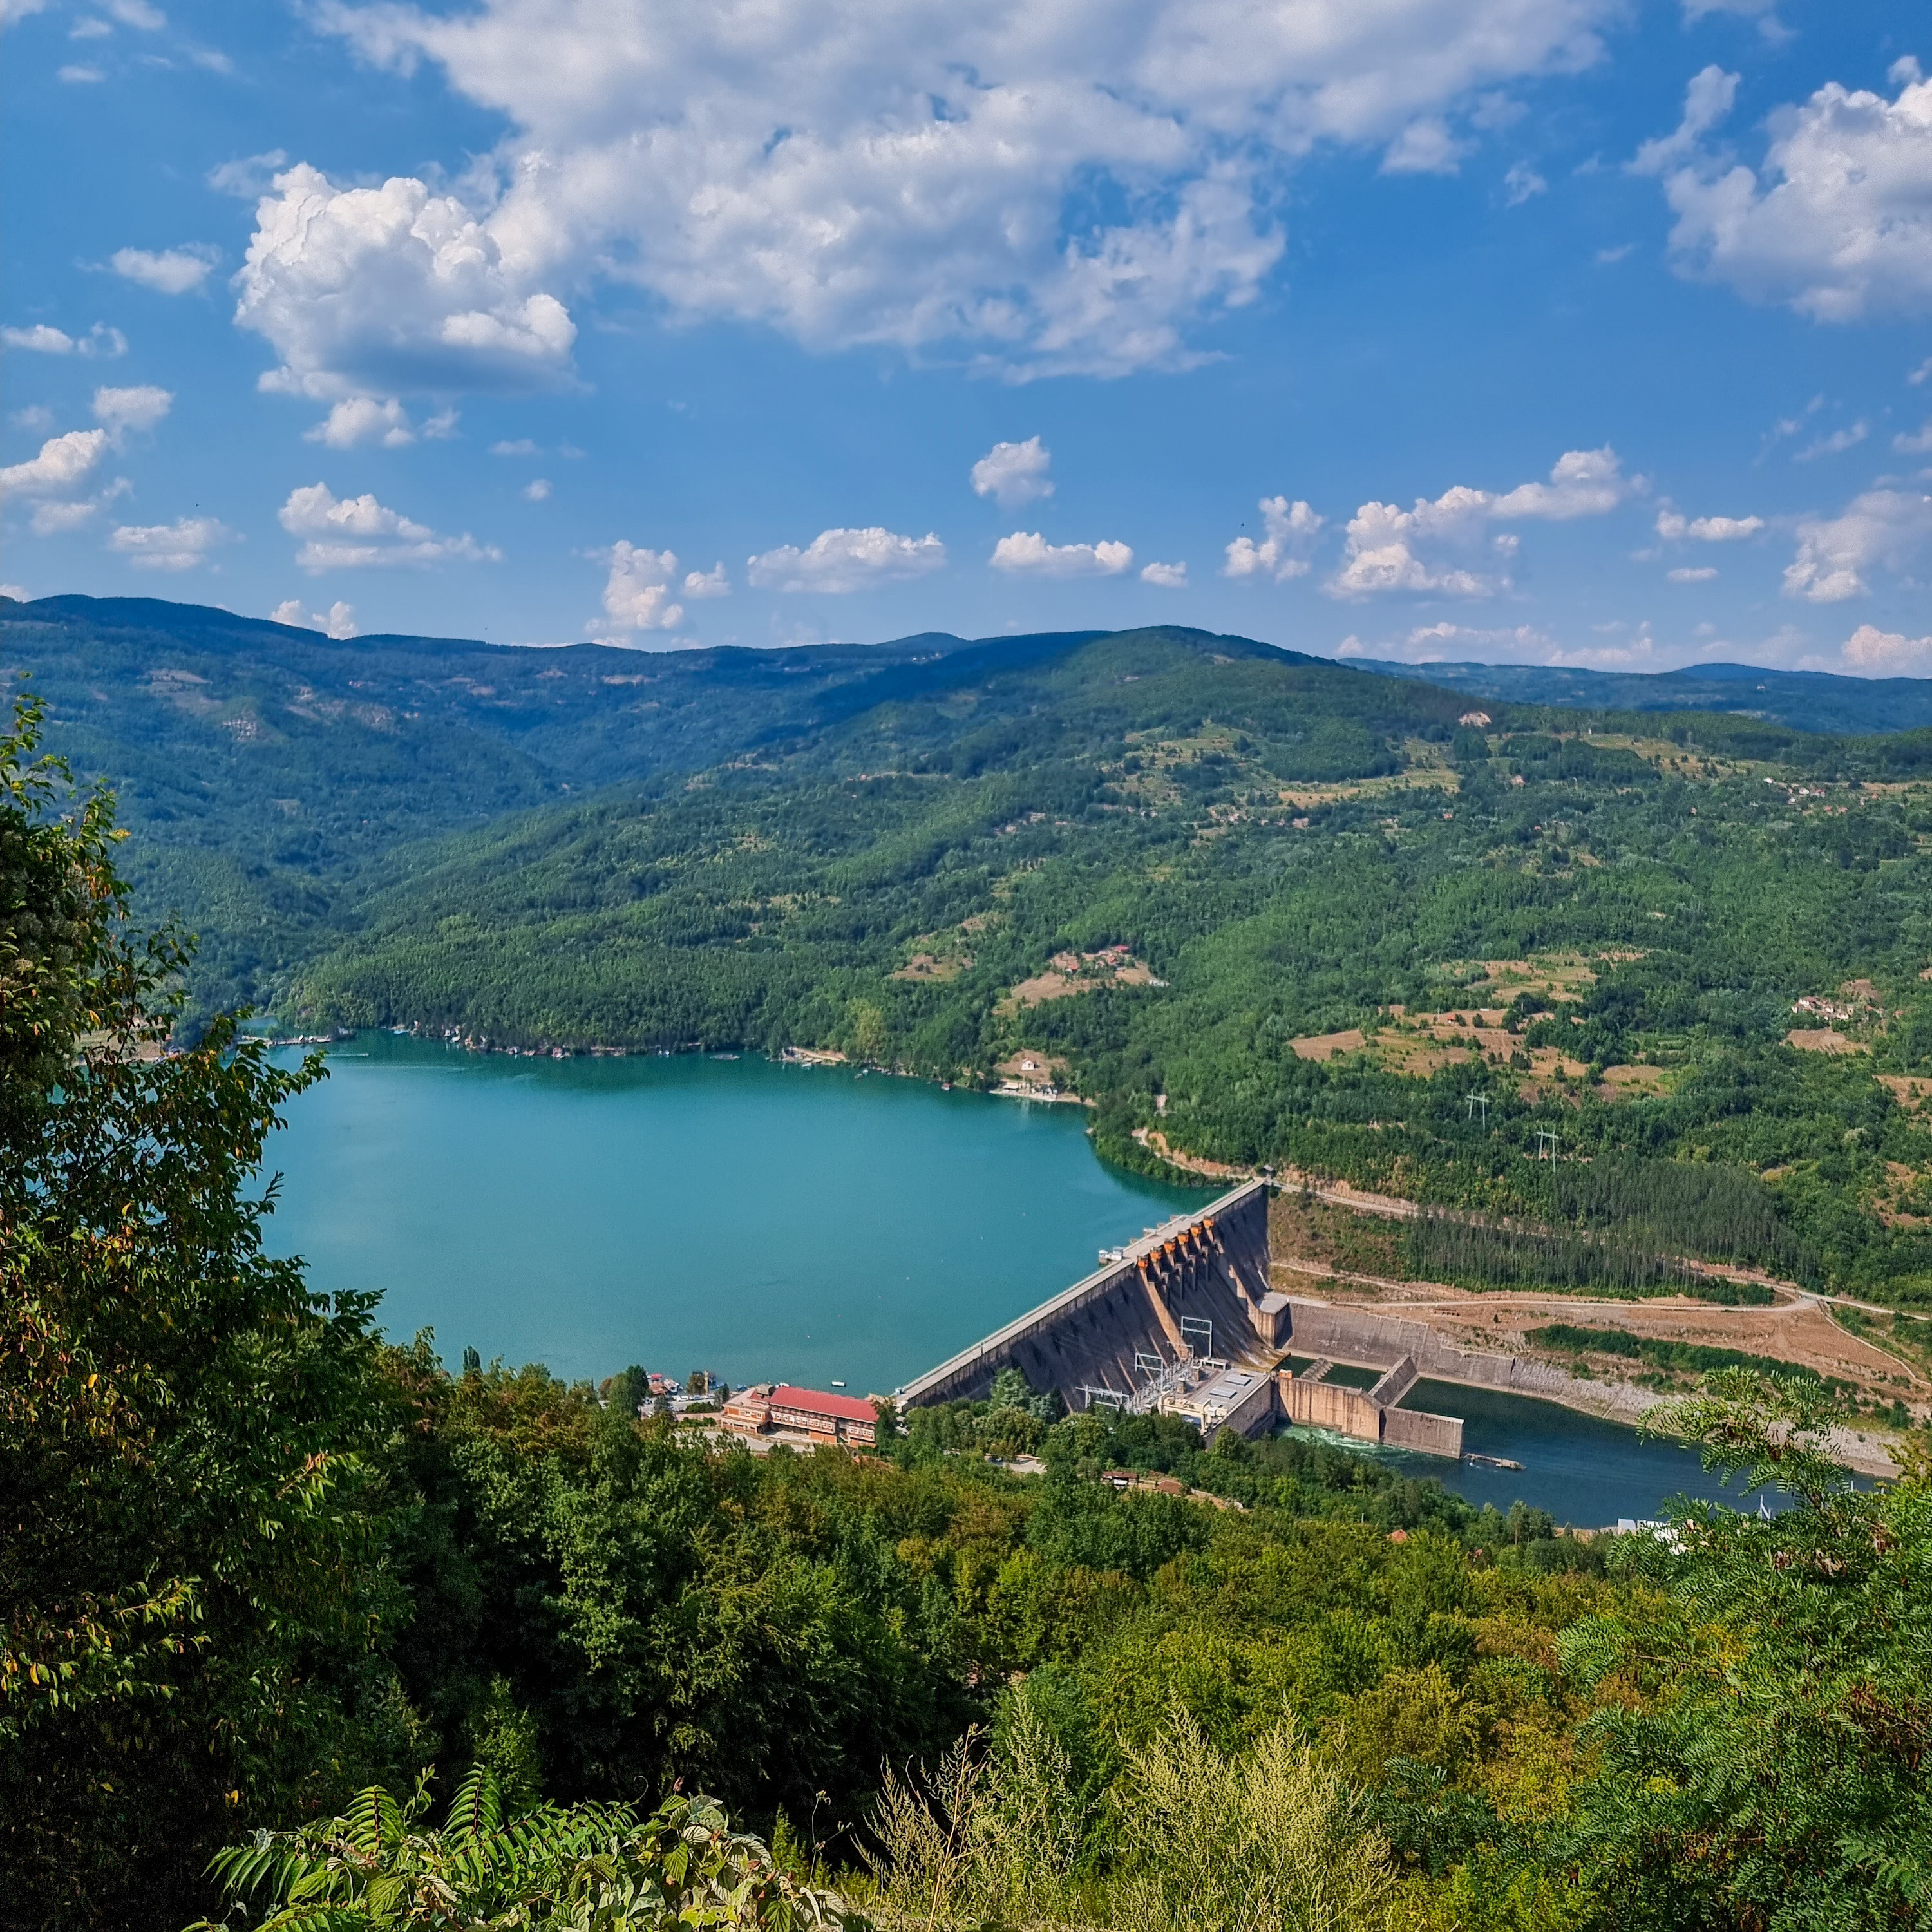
(934, 966)
(1823, 1039)
(1322, 1046)
(1622, 1083)
(1155, 1141)
(1069, 973)
(1911, 1091)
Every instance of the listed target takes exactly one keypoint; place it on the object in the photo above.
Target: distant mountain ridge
(268, 767)
(1810, 700)
(1813, 700)
(274, 773)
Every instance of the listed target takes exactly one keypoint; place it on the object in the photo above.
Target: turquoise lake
(765, 1221)
(758, 1220)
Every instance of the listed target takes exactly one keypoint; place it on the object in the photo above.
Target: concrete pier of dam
(1185, 1321)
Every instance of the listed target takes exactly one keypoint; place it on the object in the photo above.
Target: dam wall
(1429, 1435)
(1195, 1288)
(1185, 1320)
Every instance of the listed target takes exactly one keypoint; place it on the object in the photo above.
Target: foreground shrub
(578, 1868)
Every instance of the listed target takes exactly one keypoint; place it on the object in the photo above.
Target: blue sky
(1561, 331)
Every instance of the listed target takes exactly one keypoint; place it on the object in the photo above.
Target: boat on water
(1490, 1461)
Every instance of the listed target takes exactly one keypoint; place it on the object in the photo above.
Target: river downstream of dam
(767, 1221)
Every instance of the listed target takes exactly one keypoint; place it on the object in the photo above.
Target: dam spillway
(1186, 1320)
(1196, 1289)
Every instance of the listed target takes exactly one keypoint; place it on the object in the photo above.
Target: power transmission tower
(1481, 1100)
(1546, 1142)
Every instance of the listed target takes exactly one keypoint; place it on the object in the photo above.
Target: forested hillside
(268, 767)
(1258, 908)
(1815, 700)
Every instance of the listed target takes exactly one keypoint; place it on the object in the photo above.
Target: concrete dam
(1186, 1321)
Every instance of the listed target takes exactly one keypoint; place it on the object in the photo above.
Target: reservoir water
(764, 1221)
(758, 1220)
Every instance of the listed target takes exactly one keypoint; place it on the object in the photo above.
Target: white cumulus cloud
(357, 419)
(1673, 526)
(249, 176)
(637, 593)
(41, 338)
(1582, 483)
(139, 408)
(1426, 643)
(1290, 531)
(1764, 12)
(712, 583)
(1028, 553)
(842, 561)
(1708, 101)
(1836, 444)
(338, 621)
(537, 490)
(1424, 147)
(396, 290)
(1389, 549)
(52, 518)
(168, 271)
(180, 545)
(1521, 183)
(913, 173)
(1167, 576)
(358, 533)
(1013, 473)
(45, 341)
(1872, 652)
(1382, 554)
(64, 464)
(1835, 555)
(1837, 220)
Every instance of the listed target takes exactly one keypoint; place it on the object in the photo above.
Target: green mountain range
(1815, 700)
(1257, 906)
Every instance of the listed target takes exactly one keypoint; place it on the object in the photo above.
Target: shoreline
(1622, 1404)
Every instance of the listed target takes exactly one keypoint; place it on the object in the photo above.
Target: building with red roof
(802, 1411)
